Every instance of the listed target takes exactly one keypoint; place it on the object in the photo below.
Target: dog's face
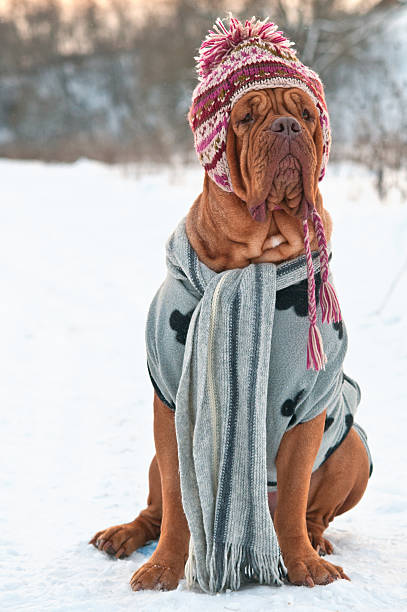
(274, 150)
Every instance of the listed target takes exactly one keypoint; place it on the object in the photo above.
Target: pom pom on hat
(220, 41)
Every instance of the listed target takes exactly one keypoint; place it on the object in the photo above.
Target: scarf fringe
(232, 563)
(190, 566)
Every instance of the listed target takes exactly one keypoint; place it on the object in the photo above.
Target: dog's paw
(121, 540)
(155, 576)
(312, 570)
(320, 544)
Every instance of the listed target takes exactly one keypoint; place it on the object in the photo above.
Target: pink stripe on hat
(206, 141)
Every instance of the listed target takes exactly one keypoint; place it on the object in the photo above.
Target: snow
(82, 254)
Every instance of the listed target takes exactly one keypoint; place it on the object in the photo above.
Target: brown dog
(266, 163)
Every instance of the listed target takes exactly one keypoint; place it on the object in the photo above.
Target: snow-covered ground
(81, 255)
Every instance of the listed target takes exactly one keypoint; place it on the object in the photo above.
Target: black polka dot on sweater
(348, 425)
(328, 422)
(180, 324)
(339, 328)
(289, 406)
(349, 421)
(296, 296)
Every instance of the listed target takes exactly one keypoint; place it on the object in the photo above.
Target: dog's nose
(286, 126)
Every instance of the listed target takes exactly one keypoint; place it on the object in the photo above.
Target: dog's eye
(306, 114)
(247, 118)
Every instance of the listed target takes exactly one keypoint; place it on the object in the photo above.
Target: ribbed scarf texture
(221, 422)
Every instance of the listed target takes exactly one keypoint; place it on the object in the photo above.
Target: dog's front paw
(311, 570)
(155, 576)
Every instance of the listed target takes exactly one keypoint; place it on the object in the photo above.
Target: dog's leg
(294, 462)
(122, 540)
(166, 566)
(336, 487)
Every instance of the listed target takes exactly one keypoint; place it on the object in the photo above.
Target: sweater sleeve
(166, 333)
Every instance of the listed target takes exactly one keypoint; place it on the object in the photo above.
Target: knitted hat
(248, 56)
(231, 62)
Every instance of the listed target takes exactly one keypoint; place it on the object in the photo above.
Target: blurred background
(112, 79)
(98, 167)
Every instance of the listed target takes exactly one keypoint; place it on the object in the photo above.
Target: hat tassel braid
(329, 302)
(316, 358)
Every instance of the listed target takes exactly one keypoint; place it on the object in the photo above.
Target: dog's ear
(319, 145)
(318, 142)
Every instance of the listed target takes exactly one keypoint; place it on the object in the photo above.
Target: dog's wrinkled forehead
(245, 57)
(275, 102)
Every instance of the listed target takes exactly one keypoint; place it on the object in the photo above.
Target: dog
(274, 151)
